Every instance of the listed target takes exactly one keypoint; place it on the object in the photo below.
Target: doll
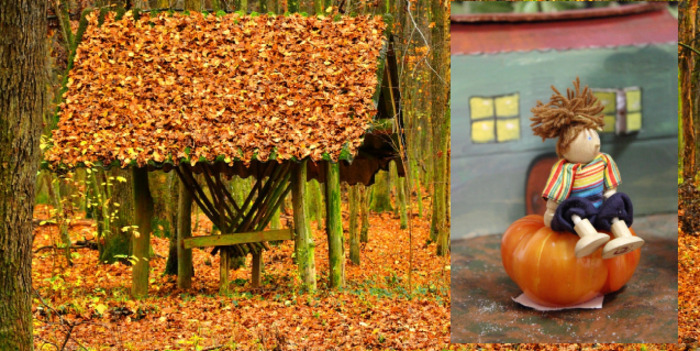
(581, 190)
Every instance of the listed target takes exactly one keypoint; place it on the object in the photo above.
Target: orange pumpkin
(543, 264)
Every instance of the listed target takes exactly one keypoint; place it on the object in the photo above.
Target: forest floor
(688, 288)
(88, 305)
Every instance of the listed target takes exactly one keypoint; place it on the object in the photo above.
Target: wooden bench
(224, 240)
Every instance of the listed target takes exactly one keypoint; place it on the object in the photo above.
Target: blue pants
(618, 205)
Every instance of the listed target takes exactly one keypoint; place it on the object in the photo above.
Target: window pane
(608, 99)
(634, 100)
(507, 106)
(634, 122)
(483, 131)
(481, 107)
(508, 129)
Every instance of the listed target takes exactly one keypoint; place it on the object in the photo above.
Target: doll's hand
(549, 213)
(610, 192)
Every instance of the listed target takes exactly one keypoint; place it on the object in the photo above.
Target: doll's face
(584, 148)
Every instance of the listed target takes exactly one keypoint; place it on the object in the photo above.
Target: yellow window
(483, 131)
(508, 129)
(634, 100)
(481, 107)
(507, 106)
(634, 122)
(609, 101)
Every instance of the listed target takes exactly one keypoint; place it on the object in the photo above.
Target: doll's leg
(590, 239)
(573, 215)
(614, 215)
(624, 241)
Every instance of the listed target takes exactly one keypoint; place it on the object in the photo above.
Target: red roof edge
(624, 10)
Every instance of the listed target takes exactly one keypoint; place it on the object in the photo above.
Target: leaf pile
(174, 87)
(373, 312)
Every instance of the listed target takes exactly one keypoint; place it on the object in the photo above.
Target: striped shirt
(582, 180)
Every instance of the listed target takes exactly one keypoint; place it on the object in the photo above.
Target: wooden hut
(280, 98)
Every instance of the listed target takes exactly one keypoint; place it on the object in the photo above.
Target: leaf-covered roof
(172, 87)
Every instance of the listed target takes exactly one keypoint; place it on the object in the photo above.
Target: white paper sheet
(594, 303)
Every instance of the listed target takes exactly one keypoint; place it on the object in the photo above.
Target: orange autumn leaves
(173, 86)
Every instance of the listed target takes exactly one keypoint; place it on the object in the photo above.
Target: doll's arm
(549, 213)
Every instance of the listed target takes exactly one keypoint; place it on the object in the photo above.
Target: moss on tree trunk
(334, 227)
(302, 235)
(354, 204)
(22, 102)
(381, 201)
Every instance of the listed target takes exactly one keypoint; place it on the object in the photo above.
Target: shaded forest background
(421, 32)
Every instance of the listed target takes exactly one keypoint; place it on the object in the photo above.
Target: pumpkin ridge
(539, 258)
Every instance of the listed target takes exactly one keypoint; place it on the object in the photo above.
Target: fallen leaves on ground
(175, 86)
(375, 310)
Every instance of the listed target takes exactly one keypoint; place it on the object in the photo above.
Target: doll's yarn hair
(564, 117)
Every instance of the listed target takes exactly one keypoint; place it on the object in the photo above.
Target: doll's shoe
(621, 246)
(588, 244)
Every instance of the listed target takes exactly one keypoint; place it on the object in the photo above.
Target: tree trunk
(686, 67)
(167, 218)
(117, 242)
(185, 270)
(54, 190)
(440, 97)
(334, 227)
(380, 193)
(303, 241)
(143, 206)
(23, 60)
(193, 5)
(354, 204)
(401, 209)
(364, 213)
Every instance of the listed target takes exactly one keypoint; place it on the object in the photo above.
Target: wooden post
(184, 231)
(257, 269)
(223, 270)
(354, 204)
(334, 227)
(302, 237)
(141, 243)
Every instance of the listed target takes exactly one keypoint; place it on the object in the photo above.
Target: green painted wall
(488, 180)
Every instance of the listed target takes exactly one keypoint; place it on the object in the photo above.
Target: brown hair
(565, 117)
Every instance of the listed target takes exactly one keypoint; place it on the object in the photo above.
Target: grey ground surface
(645, 310)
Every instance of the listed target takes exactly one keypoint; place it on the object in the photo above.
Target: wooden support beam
(257, 269)
(224, 264)
(141, 244)
(237, 238)
(303, 241)
(334, 226)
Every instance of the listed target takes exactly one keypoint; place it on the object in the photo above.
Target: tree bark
(116, 241)
(334, 227)
(354, 204)
(303, 240)
(142, 242)
(22, 101)
(381, 201)
(364, 213)
(193, 5)
(687, 19)
(185, 270)
(440, 97)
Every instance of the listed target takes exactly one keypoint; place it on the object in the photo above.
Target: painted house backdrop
(503, 63)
